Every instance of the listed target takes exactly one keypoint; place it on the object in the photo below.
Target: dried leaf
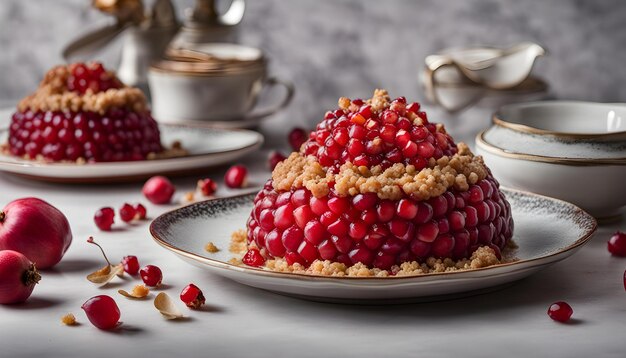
(105, 274)
(138, 292)
(166, 306)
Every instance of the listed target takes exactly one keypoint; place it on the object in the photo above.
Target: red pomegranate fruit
(18, 277)
(36, 229)
(377, 183)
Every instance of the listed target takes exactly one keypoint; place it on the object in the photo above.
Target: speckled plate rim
(482, 143)
(499, 119)
(580, 213)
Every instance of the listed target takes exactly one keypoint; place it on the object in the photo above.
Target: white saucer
(207, 147)
(547, 230)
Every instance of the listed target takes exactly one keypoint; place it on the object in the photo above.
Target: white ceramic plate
(547, 230)
(207, 147)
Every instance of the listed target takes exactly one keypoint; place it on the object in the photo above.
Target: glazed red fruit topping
(236, 176)
(141, 212)
(104, 218)
(297, 137)
(102, 312)
(127, 213)
(207, 186)
(397, 134)
(159, 190)
(151, 275)
(274, 158)
(91, 76)
(379, 233)
(117, 135)
(560, 311)
(617, 244)
(131, 265)
(192, 296)
(253, 258)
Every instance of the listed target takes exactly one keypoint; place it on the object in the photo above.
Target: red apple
(36, 229)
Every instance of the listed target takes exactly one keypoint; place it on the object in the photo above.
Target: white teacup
(212, 83)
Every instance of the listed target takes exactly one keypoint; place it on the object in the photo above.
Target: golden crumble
(140, 291)
(68, 319)
(53, 95)
(210, 247)
(238, 242)
(457, 171)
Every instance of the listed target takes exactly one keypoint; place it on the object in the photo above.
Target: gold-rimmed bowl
(594, 182)
(566, 120)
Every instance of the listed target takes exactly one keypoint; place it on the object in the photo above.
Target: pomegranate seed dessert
(83, 113)
(379, 187)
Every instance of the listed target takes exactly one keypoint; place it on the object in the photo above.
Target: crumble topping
(211, 248)
(238, 242)
(53, 95)
(457, 171)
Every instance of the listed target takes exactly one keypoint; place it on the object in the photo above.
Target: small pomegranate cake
(378, 189)
(82, 112)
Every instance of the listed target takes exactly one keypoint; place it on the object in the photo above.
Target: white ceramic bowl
(567, 120)
(595, 184)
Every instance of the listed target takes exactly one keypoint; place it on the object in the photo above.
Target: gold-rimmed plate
(546, 230)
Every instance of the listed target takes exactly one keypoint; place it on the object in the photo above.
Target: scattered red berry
(141, 212)
(617, 244)
(159, 190)
(275, 157)
(560, 311)
(207, 186)
(236, 176)
(151, 275)
(131, 264)
(102, 311)
(104, 218)
(192, 296)
(127, 213)
(253, 258)
(297, 137)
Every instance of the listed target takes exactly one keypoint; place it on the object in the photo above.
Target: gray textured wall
(333, 48)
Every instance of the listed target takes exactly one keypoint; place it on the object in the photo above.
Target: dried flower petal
(68, 320)
(210, 247)
(106, 274)
(138, 292)
(166, 306)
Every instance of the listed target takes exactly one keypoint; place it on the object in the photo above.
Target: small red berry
(236, 176)
(207, 186)
(560, 311)
(253, 258)
(131, 264)
(151, 275)
(127, 213)
(140, 211)
(297, 137)
(192, 296)
(617, 244)
(159, 190)
(102, 311)
(104, 218)
(275, 157)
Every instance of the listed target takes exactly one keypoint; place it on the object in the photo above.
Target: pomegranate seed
(102, 312)
(308, 251)
(273, 241)
(104, 218)
(407, 209)
(274, 158)
(192, 296)
(428, 232)
(151, 275)
(617, 244)
(297, 137)
(236, 176)
(364, 201)
(338, 205)
(158, 190)
(560, 311)
(362, 255)
(443, 245)
(283, 216)
(385, 210)
(131, 264)
(207, 186)
(141, 212)
(253, 258)
(127, 213)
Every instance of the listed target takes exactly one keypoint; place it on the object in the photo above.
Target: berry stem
(91, 241)
(31, 276)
